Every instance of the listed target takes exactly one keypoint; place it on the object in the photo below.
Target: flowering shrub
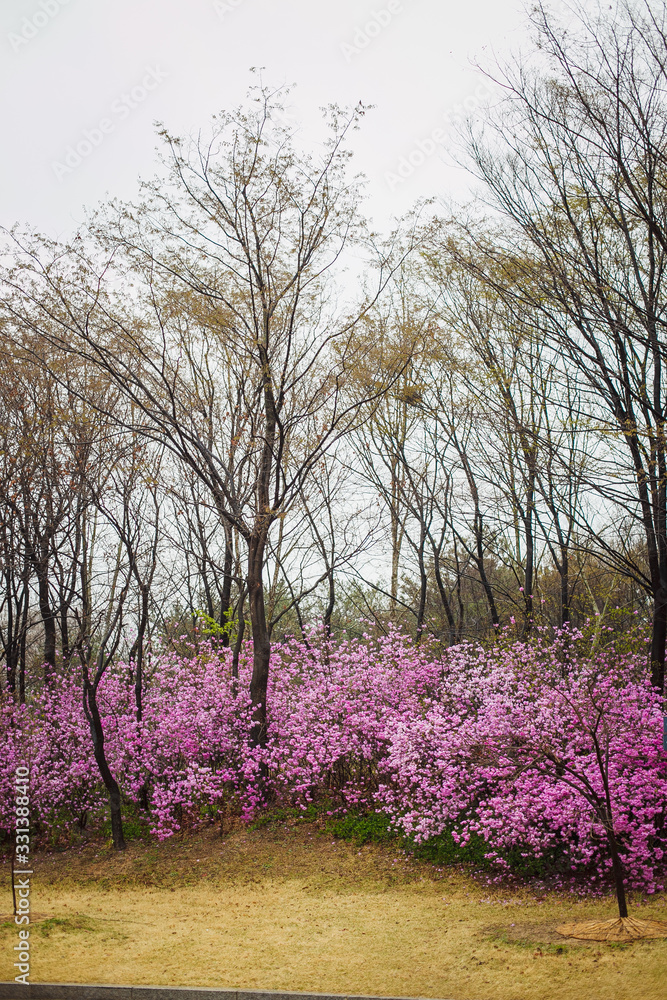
(52, 736)
(191, 747)
(332, 708)
(538, 754)
(536, 750)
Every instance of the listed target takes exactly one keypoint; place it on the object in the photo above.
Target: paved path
(67, 991)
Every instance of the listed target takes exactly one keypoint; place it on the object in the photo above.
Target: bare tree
(575, 164)
(228, 255)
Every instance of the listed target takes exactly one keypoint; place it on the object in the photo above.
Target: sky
(83, 82)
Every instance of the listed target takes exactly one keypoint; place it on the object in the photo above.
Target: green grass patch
(78, 923)
(376, 828)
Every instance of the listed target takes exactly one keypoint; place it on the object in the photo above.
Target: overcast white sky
(69, 65)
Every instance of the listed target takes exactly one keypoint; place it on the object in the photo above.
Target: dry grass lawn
(288, 909)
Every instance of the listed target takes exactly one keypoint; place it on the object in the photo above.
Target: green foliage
(214, 629)
(287, 815)
(623, 629)
(444, 850)
(375, 828)
(360, 828)
(522, 862)
(136, 825)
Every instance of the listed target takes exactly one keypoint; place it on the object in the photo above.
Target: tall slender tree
(229, 346)
(575, 163)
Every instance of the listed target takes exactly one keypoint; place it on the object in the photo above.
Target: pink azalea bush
(52, 737)
(529, 751)
(333, 707)
(190, 749)
(530, 748)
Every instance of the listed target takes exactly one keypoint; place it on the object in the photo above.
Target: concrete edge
(78, 991)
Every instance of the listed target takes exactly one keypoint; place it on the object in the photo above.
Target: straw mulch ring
(620, 929)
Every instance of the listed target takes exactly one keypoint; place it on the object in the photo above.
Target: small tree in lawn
(534, 751)
(576, 734)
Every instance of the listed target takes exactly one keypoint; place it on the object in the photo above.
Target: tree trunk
(49, 622)
(260, 638)
(64, 631)
(92, 713)
(423, 581)
(529, 575)
(564, 571)
(459, 593)
(22, 670)
(240, 631)
(606, 815)
(481, 569)
(137, 652)
(658, 639)
(443, 596)
(226, 595)
(331, 603)
(15, 908)
(11, 671)
(617, 865)
(396, 534)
